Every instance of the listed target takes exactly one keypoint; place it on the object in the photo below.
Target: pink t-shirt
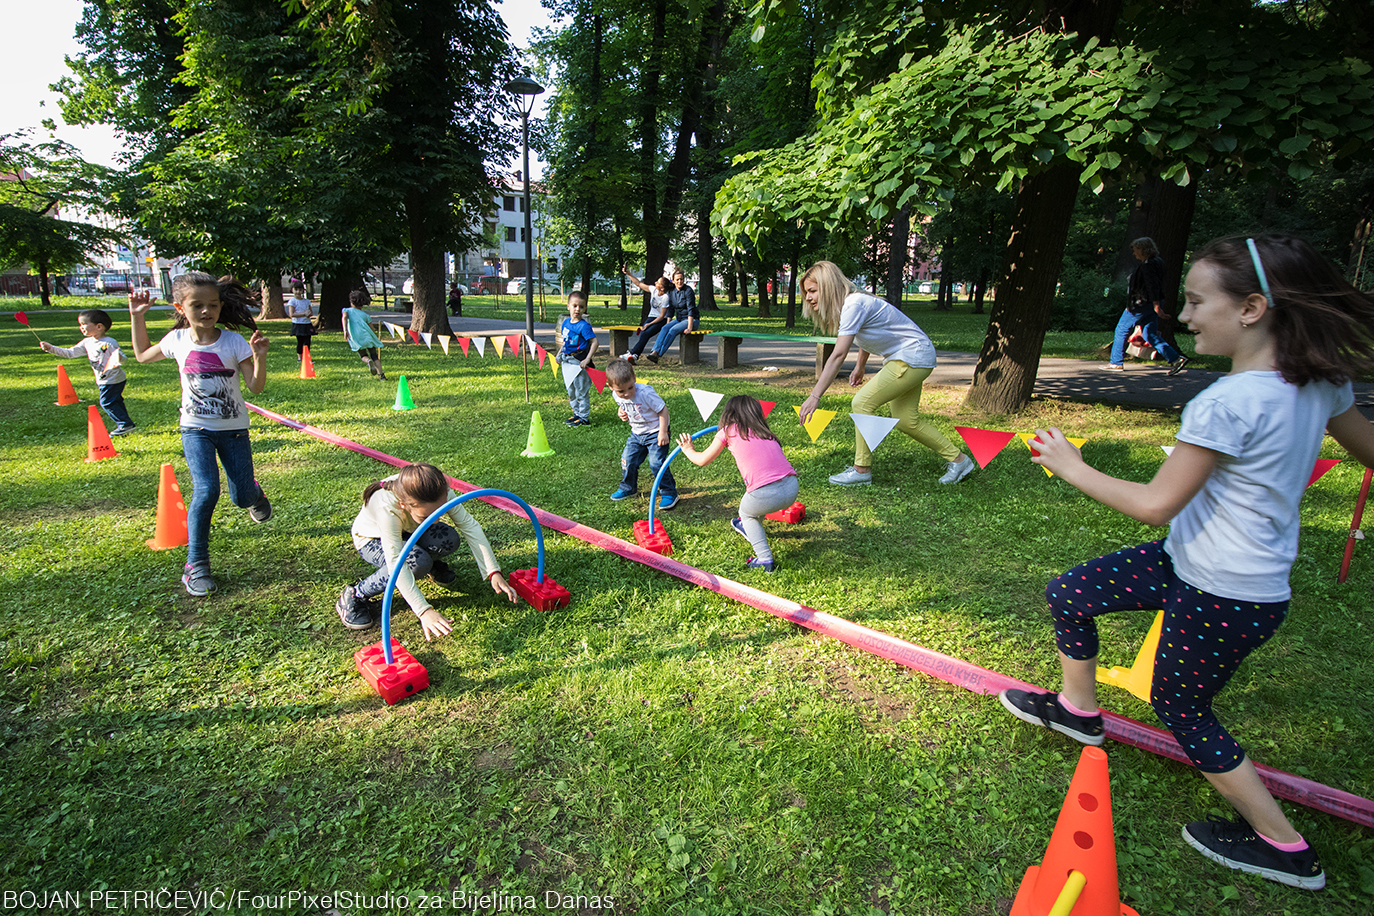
(760, 461)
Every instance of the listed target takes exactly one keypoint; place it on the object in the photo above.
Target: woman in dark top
(1144, 307)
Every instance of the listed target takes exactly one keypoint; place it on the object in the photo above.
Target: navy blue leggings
(1204, 640)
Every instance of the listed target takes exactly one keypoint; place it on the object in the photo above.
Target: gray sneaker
(261, 510)
(197, 581)
(851, 478)
(956, 471)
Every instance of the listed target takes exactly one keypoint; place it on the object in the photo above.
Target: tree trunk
(586, 286)
(655, 236)
(273, 302)
(792, 287)
(334, 299)
(943, 302)
(1171, 219)
(1137, 226)
(896, 256)
(1005, 375)
(979, 289)
(731, 279)
(743, 286)
(762, 290)
(43, 292)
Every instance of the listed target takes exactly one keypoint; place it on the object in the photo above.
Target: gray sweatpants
(579, 389)
(759, 502)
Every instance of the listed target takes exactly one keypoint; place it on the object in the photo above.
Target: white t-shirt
(884, 331)
(210, 393)
(1238, 537)
(105, 357)
(300, 310)
(643, 409)
(657, 304)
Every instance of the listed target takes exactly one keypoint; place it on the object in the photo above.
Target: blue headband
(1259, 269)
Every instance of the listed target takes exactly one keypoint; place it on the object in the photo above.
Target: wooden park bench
(727, 346)
(689, 342)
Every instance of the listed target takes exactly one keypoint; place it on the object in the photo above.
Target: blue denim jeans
(639, 446)
(649, 331)
(201, 447)
(1149, 323)
(438, 541)
(669, 334)
(112, 402)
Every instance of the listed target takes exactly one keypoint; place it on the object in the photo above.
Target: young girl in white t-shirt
(658, 316)
(214, 417)
(1296, 333)
(301, 313)
(876, 327)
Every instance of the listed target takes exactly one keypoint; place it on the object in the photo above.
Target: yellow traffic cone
(538, 444)
(1139, 676)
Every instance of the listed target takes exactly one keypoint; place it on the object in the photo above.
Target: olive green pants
(899, 386)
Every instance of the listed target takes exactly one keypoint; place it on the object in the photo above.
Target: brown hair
(833, 286)
(235, 300)
(96, 316)
(1147, 245)
(618, 370)
(1323, 327)
(420, 483)
(577, 295)
(745, 414)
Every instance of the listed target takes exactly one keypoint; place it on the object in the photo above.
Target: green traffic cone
(538, 445)
(403, 401)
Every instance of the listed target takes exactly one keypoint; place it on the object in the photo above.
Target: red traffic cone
(1078, 874)
(170, 530)
(66, 394)
(98, 445)
(307, 367)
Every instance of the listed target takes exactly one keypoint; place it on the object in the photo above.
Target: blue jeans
(1150, 325)
(649, 330)
(201, 446)
(669, 334)
(438, 541)
(112, 402)
(639, 446)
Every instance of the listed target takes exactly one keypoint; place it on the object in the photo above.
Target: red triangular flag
(513, 341)
(21, 318)
(413, 336)
(984, 444)
(768, 407)
(1321, 467)
(542, 353)
(465, 342)
(598, 379)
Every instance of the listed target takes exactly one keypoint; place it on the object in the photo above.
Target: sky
(42, 37)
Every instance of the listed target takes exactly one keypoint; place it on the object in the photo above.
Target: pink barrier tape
(936, 664)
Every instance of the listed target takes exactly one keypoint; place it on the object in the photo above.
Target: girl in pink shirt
(770, 482)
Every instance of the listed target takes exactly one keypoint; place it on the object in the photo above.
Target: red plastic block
(404, 677)
(792, 514)
(542, 596)
(657, 541)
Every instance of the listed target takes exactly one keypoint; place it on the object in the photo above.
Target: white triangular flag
(443, 342)
(428, 338)
(570, 372)
(873, 429)
(481, 345)
(390, 328)
(529, 342)
(706, 401)
(1167, 449)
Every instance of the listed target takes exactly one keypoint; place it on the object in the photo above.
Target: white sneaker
(851, 478)
(957, 470)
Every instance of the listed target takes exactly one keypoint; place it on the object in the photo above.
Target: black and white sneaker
(1177, 365)
(355, 612)
(1235, 844)
(1044, 709)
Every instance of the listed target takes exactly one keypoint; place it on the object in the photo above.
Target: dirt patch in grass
(501, 757)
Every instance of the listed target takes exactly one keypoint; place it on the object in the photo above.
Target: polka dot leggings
(1204, 640)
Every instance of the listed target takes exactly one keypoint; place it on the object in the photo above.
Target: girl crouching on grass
(770, 482)
(1296, 333)
(392, 510)
(214, 417)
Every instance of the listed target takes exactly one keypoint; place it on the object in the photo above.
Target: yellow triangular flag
(819, 421)
(500, 344)
(1027, 437)
(443, 342)
(553, 365)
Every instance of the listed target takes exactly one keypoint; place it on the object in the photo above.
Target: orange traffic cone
(1078, 873)
(170, 530)
(66, 394)
(307, 367)
(98, 444)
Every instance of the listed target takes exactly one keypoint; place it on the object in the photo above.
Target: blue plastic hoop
(415, 538)
(653, 493)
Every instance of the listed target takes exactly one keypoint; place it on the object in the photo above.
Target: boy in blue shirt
(576, 345)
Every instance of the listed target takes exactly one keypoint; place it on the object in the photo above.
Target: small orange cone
(66, 394)
(1137, 678)
(98, 444)
(170, 530)
(307, 367)
(1083, 844)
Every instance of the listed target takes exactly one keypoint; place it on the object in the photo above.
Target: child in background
(1296, 333)
(770, 482)
(392, 510)
(300, 311)
(359, 334)
(644, 410)
(107, 362)
(577, 344)
(214, 418)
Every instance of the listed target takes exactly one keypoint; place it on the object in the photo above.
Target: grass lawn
(653, 743)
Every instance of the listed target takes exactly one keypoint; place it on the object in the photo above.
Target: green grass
(653, 742)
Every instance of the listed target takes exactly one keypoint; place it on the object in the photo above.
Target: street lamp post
(525, 89)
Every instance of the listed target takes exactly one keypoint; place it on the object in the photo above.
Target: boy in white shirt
(107, 362)
(649, 437)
